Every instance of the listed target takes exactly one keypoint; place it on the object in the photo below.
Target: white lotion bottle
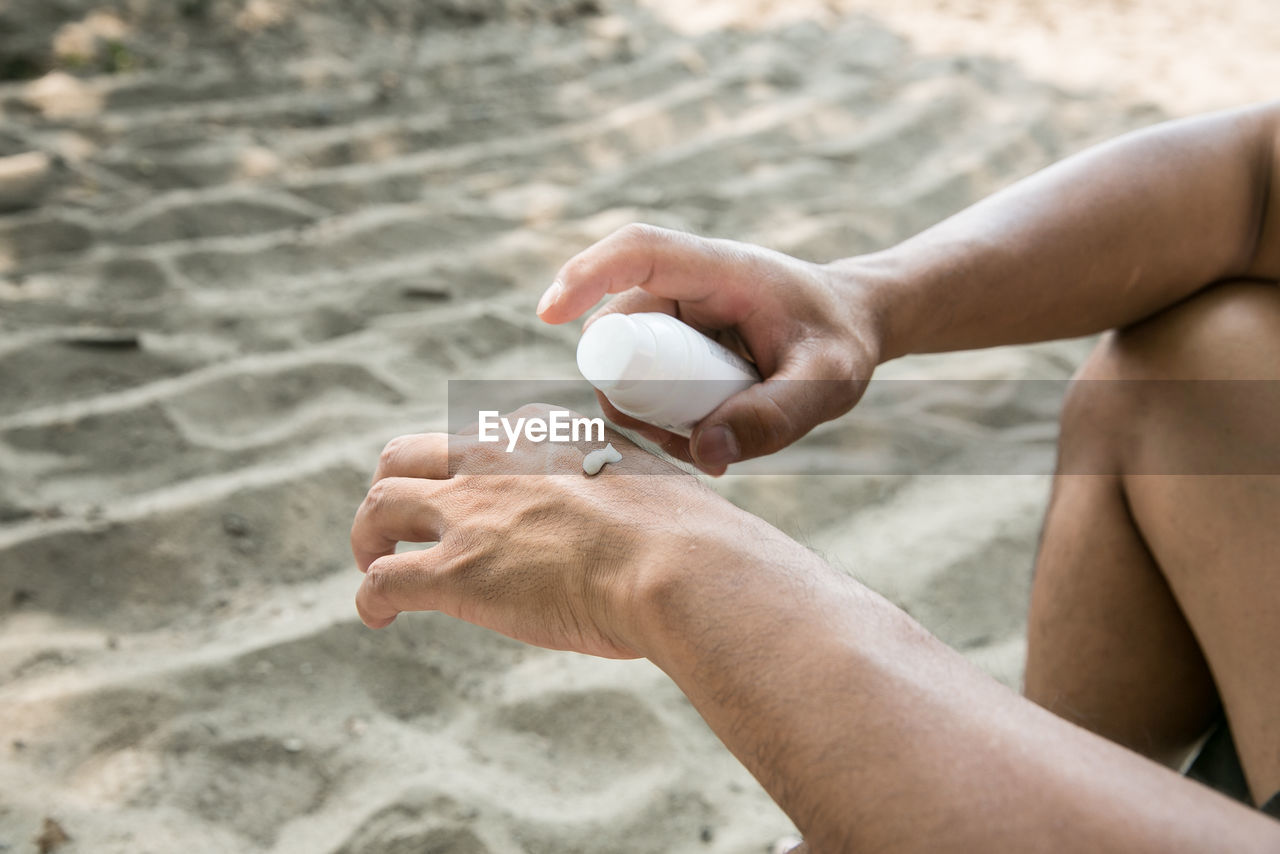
(661, 371)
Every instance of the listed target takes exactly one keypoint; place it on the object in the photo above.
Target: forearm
(872, 735)
(1098, 241)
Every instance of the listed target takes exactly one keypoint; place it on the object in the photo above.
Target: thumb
(771, 415)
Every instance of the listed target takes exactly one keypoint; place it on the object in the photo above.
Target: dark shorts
(1217, 765)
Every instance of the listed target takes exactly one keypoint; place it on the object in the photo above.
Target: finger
(415, 455)
(636, 301)
(398, 583)
(668, 264)
(633, 301)
(770, 415)
(396, 509)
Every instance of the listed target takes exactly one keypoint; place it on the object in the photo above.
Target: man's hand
(834, 699)
(814, 341)
(1099, 241)
(528, 545)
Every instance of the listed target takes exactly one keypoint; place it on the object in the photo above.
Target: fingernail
(717, 446)
(550, 297)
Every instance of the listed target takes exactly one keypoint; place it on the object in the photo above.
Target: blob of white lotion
(595, 460)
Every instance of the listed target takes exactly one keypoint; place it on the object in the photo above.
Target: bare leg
(1108, 647)
(1156, 593)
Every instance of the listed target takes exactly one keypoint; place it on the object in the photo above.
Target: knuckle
(392, 453)
(380, 496)
(638, 232)
(377, 582)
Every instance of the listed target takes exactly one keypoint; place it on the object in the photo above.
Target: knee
(1226, 332)
(1097, 419)
(1229, 331)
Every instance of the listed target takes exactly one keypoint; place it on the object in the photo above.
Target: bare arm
(874, 736)
(1100, 240)
(870, 733)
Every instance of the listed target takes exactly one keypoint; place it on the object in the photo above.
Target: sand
(247, 243)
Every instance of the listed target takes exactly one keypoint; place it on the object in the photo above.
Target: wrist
(872, 287)
(726, 571)
(677, 573)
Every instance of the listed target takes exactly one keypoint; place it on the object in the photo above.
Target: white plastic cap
(615, 351)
